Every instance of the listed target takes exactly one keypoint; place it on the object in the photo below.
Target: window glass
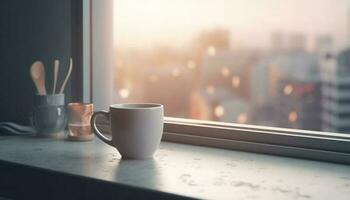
(282, 63)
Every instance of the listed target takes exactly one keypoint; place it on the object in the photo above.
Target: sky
(146, 24)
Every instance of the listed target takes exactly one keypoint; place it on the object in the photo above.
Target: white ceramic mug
(136, 129)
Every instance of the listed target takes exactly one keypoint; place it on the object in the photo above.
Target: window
(244, 62)
(223, 67)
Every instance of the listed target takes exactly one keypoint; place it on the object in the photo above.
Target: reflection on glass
(249, 62)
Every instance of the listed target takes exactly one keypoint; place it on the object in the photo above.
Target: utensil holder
(49, 115)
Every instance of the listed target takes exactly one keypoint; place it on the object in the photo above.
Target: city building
(277, 42)
(336, 92)
(260, 77)
(218, 38)
(219, 104)
(262, 93)
(286, 86)
(228, 69)
(297, 102)
(281, 42)
(296, 42)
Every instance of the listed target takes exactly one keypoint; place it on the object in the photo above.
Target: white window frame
(98, 83)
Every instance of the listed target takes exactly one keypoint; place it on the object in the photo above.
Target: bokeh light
(293, 116)
(124, 93)
(236, 81)
(175, 72)
(191, 64)
(211, 50)
(219, 111)
(288, 89)
(225, 71)
(242, 118)
(210, 89)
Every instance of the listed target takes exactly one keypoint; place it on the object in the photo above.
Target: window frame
(297, 143)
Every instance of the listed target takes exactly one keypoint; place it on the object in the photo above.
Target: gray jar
(49, 115)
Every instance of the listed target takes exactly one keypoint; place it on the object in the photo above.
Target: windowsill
(185, 170)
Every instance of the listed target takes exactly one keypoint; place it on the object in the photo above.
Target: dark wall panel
(34, 30)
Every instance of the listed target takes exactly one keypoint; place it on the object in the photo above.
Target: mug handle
(94, 128)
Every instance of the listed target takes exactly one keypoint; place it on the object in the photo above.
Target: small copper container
(79, 128)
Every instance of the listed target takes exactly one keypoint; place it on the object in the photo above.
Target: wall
(36, 30)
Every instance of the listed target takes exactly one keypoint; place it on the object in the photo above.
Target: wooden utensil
(37, 72)
(55, 75)
(67, 76)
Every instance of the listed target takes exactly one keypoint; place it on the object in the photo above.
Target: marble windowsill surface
(186, 170)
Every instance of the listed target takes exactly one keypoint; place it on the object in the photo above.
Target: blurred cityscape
(286, 85)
